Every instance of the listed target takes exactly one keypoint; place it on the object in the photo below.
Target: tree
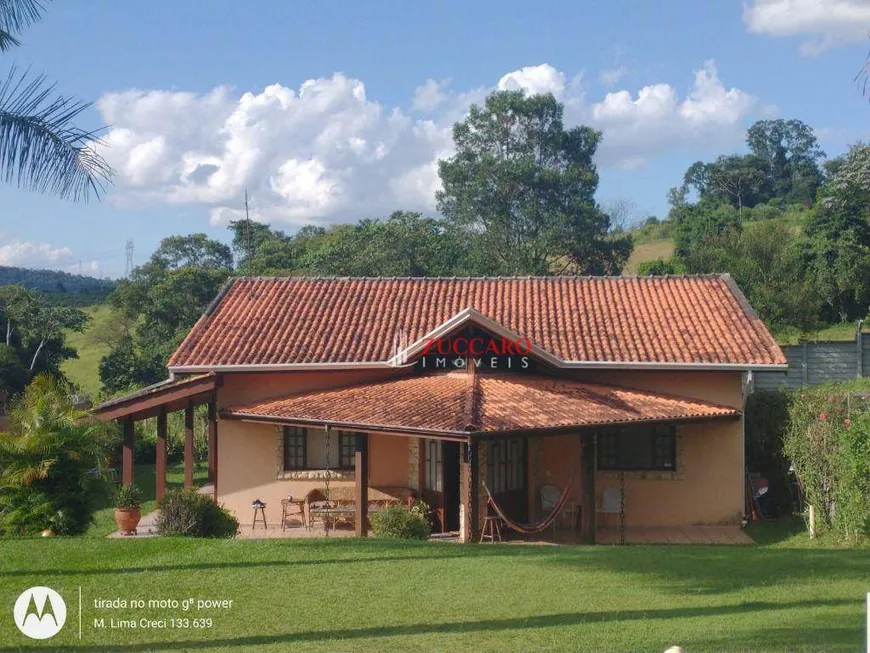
(736, 178)
(40, 147)
(703, 220)
(520, 190)
(790, 154)
(406, 244)
(165, 296)
(35, 328)
(14, 300)
(53, 462)
(47, 322)
(249, 237)
(837, 252)
(13, 374)
(767, 264)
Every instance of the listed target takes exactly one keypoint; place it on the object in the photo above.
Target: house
(459, 387)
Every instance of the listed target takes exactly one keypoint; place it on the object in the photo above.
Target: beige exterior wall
(707, 487)
(250, 467)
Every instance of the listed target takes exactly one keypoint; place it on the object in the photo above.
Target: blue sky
(333, 111)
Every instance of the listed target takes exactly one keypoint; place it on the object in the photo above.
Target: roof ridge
(301, 278)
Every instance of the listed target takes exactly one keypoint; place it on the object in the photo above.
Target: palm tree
(40, 147)
(53, 462)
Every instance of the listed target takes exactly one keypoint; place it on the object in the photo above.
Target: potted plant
(128, 509)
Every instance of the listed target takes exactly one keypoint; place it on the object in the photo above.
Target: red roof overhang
(458, 405)
(168, 396)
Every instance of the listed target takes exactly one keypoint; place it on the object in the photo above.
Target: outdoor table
(287, 506)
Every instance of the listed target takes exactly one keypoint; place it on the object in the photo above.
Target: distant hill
(61, 287)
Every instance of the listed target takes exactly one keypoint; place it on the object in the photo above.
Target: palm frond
(15, 15)
(40, 148)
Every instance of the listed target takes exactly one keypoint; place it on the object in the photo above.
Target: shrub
(129, 497)
(53, 463)
(660, 267)
(398, 523)
(188, 513)
(763, 212)
(828, 442)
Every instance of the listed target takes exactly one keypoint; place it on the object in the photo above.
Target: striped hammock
(541, 524)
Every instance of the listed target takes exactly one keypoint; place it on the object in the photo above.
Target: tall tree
(838, 248)
(165, 297)
(40, 147)
(521, 190)
(790, 153)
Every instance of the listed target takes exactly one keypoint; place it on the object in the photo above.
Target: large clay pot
(127, 520)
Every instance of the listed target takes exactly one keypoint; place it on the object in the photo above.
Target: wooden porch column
(474, 490)
(587, 488)
(213, 447)
(160, 486)
(361, 464)
(127, 451)
(188, 445)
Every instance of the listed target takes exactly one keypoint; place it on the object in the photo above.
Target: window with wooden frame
(347, 450)
(295, 448)
(638, 448)
(506, 465)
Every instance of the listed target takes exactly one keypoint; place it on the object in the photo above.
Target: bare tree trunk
(36, 354)
(8, 332)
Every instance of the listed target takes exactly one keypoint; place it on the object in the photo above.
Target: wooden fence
(810, 363)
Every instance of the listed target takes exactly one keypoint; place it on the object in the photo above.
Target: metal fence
(810, 363)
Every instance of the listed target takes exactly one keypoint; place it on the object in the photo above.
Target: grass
(367, 595)
(843, 332)
(146, 479)
(650, 251)
(84, 371)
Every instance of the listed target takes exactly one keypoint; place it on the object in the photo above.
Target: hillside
(60, 287)
(84, 371)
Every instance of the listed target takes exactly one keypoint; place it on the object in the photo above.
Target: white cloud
(430, 95)
(534, 79)
(327, 152)
(825, 22)
(655, 121)
(611, 76)
(32, 254)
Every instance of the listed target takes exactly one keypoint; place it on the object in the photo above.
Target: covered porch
(158, 401)
(480, 431)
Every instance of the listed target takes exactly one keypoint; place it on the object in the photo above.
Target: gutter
(572, 365)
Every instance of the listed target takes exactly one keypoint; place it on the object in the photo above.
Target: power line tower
(128, 250)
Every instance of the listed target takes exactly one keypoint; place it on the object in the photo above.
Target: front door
(441, 483)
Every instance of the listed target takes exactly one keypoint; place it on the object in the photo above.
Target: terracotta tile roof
(291, 321)
(459, 403)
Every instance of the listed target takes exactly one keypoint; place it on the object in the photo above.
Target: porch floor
(646, 535)
(635, 535)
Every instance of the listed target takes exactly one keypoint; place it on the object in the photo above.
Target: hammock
(541, 524)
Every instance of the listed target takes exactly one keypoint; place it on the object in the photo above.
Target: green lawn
(369, 595)
(84, 371)
(649, 251)
(146, 480)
